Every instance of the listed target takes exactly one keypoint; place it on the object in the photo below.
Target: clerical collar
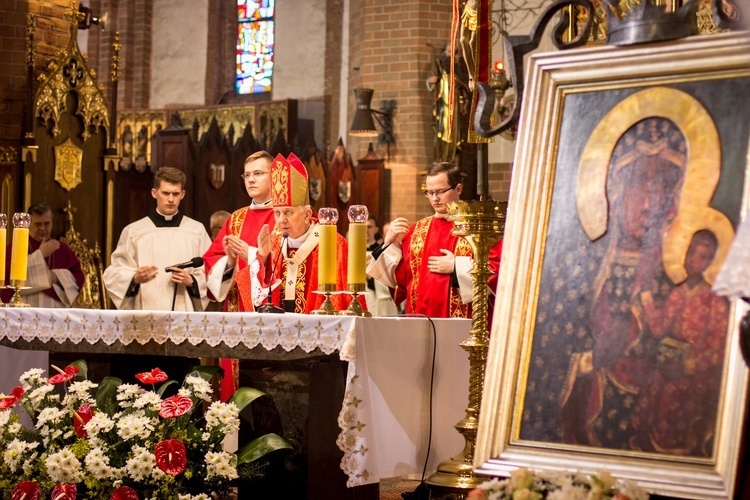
(265, 204)
(441, 216)
(297, 242)
(161, 220)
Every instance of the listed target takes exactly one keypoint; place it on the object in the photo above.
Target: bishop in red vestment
(288, 257)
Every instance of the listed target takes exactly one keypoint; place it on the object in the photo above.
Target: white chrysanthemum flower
(149, 401)
(4, 418)
(200, 387)
(32, 378)
(79, 393)
(141, 464)
(64, 467)
(184, 391)
(49, 415)
(224, 417)
(97, 464)
(221, 464)
(188, 496)
(127, 393)
(131, 426)
(14, 428)
(15, 452)
(37, 396)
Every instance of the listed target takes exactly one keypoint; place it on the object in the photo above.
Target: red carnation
(175, 406)
(70, 372)
(26, 490)
(124, 493)
(171, 456)
(155, 376)
(10, 400)
(80, 418)
(64, 492)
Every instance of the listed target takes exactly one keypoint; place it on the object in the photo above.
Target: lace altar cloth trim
(327, 333)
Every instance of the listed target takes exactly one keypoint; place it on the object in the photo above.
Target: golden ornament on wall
(68, 164)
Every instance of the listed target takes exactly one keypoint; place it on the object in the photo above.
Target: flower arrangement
(125, 442)
(524, 484)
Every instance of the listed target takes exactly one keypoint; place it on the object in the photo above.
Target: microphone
(270, 307)
(194, 262)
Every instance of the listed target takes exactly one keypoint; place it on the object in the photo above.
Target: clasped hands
(439, 264)
(235, 249)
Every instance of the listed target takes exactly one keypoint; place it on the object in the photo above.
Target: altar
(384, 415)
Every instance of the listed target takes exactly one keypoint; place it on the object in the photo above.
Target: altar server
(143, 273)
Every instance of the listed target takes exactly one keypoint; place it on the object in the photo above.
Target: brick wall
(389, 53)
(52, 34)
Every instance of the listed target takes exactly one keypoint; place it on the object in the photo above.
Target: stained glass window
(255, 41)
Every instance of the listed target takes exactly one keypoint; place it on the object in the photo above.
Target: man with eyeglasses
(234, 246)
(226, 260)
(424, 263)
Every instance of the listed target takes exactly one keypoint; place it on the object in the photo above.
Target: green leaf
(206, 372)
(106, 394)
(163, 387)
(244, 396)
(83, 370)
(258, 448)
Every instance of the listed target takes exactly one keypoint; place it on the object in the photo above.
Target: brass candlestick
(482, 223)
(327, 306)
(355, 308)
(16, 300)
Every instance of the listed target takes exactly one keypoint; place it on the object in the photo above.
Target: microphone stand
(174, 296)
(269, 306)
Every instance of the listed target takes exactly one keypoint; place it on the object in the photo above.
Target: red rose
(26, 490)
(155, 376)
(14, 397)
(80, 418)
(124, 493)
(64, 492)
(171, 456)
(175, 406)
(70, 372)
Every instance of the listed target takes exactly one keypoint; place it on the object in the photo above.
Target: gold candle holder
(482, 223)
(355, 308)
(16, 300)
(326, 307)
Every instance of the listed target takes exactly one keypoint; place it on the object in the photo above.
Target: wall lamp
(363, 124)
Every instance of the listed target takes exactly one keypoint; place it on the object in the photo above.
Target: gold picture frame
(624, 156)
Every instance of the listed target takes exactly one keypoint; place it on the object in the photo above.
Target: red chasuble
(244, 223)
(426, 292)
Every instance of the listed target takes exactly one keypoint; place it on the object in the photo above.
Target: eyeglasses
(253, 175)
(438, 193)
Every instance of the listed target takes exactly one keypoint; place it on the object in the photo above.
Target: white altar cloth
(384, 419)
